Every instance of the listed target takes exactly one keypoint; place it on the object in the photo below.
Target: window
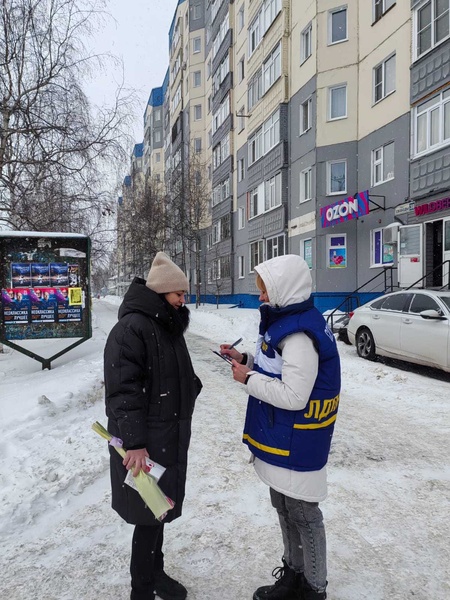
(305, 185)
(197, 144)
(176, 98)
(254, 34)
(223, 30)
(337, 251)
(220, 73)
(384, 79)
(241, 69)
(241, 217)
(432, 22)
(255, 147)
(221, 192)
(254, 89)
(241, 268)
(272, 68)
(306, 43)
(256, 254)
(221, 114)
(241, 19)
(432, 123)
(337, 102)
(197, 45)
(422, 302)
(197, 78)
(241, 169)
(306, 251)
(157, 115)
(197, 112)
(256, 201)
(380, 7)
(275, 247)
(197, 12)
(337, 25)
(221, 152)
(336, 177)
(271, 129)
(272, 192)
(241, 115)
(383, 164)
(305, 116)
(271, 8)
(380, 253)
(157, 136)
(158, 157)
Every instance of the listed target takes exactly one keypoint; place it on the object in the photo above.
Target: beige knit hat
(165, 276)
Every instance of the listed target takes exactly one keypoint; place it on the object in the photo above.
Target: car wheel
(365, 344)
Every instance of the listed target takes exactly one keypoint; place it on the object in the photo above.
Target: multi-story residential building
(153, 136)
(323, 137)
(425, 239)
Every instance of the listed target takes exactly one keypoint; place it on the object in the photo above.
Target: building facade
(324, 131)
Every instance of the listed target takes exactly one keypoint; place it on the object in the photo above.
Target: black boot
(310, 594)
(167, 588)
(288, 586)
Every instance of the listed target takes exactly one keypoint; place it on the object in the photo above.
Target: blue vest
(294, 439)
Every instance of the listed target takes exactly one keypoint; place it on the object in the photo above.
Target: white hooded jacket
(288, 281)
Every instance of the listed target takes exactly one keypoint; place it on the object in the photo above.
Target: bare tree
(190, 209)
(53, 146)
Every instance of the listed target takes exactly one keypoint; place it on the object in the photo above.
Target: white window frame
(196, 12)
(432, 26)
(373, 262)
(241, 69)
(331, 246)
(241, 169)
(241, 267)
(257, 201)
(305, 185)
(196, 79)
(271, 132)
(330, 101)
(437, 107)
(197, 144)
(278, 246)
(271, 69)
(382, 68)
(332, 12)
(273, 192)
(197, 112)
(305, 116)
(330, 164)
(303, 253)
(306, 43)
(379, 166)
(258, 246)
(196, 45)
(241, 18)
(241, 217)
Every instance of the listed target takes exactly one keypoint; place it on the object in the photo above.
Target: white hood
(287, 279)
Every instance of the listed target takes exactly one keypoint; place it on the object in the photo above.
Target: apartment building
(154, 137)
(424, 243)
(324, 128)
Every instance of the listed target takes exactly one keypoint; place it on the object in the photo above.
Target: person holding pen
(293, 383)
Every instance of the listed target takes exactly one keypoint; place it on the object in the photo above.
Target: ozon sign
(345, 210)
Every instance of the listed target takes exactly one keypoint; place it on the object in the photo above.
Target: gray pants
(304, 538)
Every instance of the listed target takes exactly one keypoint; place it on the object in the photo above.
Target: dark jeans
(304, 539)
(147, 559)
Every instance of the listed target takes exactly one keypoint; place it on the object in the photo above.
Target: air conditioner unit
(390, 234)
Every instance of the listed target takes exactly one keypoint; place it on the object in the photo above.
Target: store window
(306, 252)
(381, 254)
(337, 251)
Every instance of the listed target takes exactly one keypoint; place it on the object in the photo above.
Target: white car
(411, 325)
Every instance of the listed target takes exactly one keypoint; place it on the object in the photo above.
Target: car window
(422, 302)
(378, 303)
(445, 300)
(395, 302)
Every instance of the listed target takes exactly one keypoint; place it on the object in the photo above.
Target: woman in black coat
(151, 389)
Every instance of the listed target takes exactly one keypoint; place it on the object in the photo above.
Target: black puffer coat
(151, 389)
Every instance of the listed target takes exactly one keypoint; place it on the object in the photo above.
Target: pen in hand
(235, 343)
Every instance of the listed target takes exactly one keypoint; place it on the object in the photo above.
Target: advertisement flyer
(16, 305)
(59, 274)
(66, 310)
(43, 304)
(40, 275)
(21, 275)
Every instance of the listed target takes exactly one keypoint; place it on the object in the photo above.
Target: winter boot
(167, 588)
(309, 594)
(287, 586)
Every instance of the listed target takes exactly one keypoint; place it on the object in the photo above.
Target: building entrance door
(434, 253)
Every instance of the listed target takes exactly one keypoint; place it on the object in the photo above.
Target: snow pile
(386, 515)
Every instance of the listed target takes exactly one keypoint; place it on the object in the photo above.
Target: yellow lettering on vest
(314, 409)
(327, 407)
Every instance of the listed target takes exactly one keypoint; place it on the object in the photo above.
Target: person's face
(46, 296)
(19, 297)
(175, 299)
(263, 296)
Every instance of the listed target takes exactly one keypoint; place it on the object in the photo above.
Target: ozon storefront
(424, 244)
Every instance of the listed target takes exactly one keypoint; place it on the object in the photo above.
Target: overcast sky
(138, 35)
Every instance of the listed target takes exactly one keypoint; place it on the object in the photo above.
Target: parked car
(410, 325)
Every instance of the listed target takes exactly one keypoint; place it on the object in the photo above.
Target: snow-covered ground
(387, 513)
